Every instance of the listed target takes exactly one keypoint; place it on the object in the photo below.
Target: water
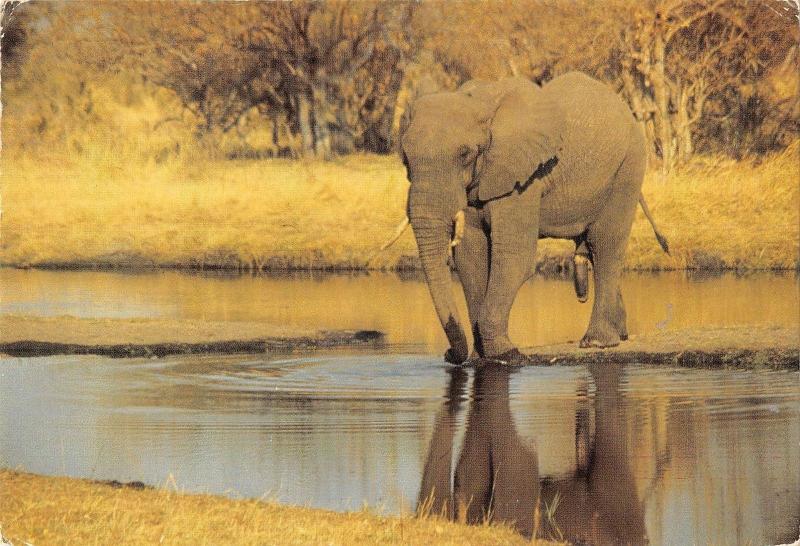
(615, 454)
(691, 456)
(546, 311)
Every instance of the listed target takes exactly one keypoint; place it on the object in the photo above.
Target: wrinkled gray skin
(564, 160)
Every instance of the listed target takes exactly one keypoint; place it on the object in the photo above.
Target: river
(608, 453)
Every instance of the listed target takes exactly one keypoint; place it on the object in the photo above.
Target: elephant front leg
(514, 223)
(472, 262)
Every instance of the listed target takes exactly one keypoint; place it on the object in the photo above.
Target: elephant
(497, 475)
(493, 167)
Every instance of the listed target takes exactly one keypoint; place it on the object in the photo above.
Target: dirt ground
(736, 347)
(775, 347)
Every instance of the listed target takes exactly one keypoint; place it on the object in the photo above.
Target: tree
(340, 64)
(326, 78)
(13, 26)
(678, 54)
(188, 48)
(327, 72)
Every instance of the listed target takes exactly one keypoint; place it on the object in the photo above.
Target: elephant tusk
(401, 227)
(458, 229)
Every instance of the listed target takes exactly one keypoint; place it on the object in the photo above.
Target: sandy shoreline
(750, 347)
(110, 331)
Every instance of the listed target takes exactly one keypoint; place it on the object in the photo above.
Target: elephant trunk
(433, 241)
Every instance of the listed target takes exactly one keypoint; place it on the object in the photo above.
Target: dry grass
(719, 213)
(42, 510)
(284, 214)
(276, 213)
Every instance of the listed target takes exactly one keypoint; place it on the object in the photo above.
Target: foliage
(681, 59)
(319, 79)
(14, 35)
(707, 70)
(324, 77)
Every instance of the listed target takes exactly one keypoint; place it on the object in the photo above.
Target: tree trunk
(319, 118)
(322, 135)
(685, 147)
(305, 121)
(662, 102)
(641, 105)
(386, 125)
(276, 134)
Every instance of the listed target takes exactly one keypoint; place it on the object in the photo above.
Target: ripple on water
(389, 377)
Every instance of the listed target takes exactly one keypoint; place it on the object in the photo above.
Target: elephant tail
(660, 236)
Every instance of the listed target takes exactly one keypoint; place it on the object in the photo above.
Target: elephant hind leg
(603, 330)
(608, 238)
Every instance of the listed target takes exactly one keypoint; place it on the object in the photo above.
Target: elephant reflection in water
(497, 478)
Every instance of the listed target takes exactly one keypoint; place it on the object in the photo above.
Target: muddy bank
(747, 347)
(29, 348)
(25, 336)
(751, 347)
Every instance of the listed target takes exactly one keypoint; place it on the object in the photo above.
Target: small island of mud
(26, 336)
(762, 347)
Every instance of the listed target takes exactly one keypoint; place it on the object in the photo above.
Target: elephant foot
(510, 358)
(621, 328)
(600, 341)
(473, 360)
(451, 357)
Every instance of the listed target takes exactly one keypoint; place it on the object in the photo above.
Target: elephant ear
(526, 139)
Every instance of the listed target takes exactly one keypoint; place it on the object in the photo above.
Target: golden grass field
(191, 212)
(43, 510)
